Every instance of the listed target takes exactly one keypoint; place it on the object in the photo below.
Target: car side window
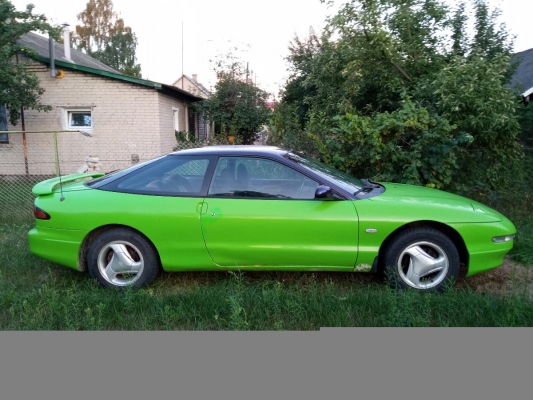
(260, 178)
(172, 176)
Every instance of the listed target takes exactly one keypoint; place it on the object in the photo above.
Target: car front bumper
(483, 253)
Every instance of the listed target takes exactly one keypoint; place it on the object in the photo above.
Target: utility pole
(182, 79)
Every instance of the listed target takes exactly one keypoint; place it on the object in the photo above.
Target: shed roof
(523, 76)
(85, 63)
(40, 45)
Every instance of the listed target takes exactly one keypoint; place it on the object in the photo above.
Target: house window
(4, 138)
(80, 119)
(176, 112)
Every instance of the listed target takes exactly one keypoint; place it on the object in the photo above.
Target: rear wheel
(121, 257)
(424, 259)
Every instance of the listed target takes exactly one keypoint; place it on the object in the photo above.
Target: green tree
(104, 36)
(237, 106)
(19, 87)
(374, 56)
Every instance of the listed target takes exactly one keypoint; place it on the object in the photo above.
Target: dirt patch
(509, 279)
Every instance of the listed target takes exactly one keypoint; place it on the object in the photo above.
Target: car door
(260, 213)
(163, 201)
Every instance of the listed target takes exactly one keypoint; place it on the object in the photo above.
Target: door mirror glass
(325, 193)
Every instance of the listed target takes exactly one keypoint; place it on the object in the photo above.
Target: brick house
(202, 128)
(130, 119)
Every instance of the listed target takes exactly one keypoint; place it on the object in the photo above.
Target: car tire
(423, 259)
(123, 258)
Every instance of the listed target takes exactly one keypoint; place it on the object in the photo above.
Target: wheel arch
(91, 237)
(454, 236)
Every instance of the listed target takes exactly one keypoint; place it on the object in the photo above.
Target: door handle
(201, 208)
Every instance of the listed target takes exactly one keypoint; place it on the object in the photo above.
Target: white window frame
(75, 111)
(176, 115)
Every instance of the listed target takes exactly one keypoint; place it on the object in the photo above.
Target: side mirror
(323, 192)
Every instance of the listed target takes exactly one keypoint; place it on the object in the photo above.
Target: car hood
(428, 202)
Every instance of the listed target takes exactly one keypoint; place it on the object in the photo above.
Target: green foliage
(380, 64)
(525, 117)
(104, 36)
(19, 87)
(408, 145)
(237, 106)
(285, 127)
(187, 137)
(471, 93)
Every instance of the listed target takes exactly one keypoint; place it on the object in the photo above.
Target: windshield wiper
(250, 194)
(366, 189)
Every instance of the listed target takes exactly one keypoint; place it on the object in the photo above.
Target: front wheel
(424, 259)
(121, 257)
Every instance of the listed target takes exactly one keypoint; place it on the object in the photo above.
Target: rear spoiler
(48, 186)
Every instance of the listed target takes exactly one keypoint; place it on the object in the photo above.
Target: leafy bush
(398, 90)
(408, 145)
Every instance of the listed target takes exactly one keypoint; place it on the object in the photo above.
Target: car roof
(234, 150)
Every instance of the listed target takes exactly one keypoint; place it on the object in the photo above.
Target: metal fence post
(56, 154)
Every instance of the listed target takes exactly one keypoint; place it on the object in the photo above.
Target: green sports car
(260, 208)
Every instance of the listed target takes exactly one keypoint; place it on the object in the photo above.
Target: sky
(261, 30)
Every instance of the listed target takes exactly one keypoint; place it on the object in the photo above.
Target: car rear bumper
(57, 245)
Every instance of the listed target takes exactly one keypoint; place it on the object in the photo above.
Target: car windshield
(341, 179)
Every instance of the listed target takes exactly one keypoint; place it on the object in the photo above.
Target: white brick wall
(127, 119)
(166, 119)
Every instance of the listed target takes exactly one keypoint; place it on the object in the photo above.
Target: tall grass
(515, 200)
(38, 295)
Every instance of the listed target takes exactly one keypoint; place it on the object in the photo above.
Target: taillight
(40, 214)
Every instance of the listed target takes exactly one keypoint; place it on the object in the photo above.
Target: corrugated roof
(85, 63)
(40, 45)
(524, 73)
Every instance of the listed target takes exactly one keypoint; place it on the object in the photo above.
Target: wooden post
(24, 143)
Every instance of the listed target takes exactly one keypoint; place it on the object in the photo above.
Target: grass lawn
(38, 295)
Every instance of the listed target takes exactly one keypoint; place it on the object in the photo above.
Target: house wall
(203, 130)
(188, 86)
(129, 121)
(167, 105)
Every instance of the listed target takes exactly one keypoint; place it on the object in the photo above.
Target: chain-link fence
(30, 158)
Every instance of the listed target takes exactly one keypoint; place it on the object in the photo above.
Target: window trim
(176, 116)
(113, 185)
(75, 111)
(281, 162)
